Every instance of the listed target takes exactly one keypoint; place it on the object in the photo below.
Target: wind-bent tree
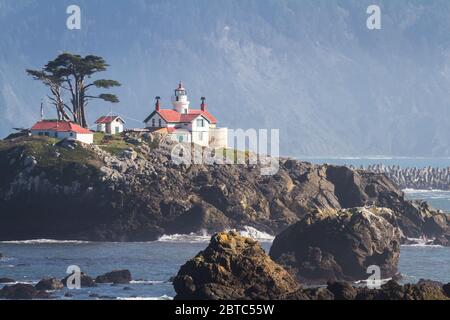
(73, 73)
(54, 84)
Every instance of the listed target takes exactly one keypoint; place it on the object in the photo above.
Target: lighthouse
(184, 124)
(180, 100)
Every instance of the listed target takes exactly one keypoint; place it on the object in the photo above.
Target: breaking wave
(44, 241)
(245, 231)
(251, 232)
(146, 281)
(419, 242)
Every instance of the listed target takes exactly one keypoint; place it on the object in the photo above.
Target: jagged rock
(442, 241)
(85, 281)
(342, 290)
(339, 245)
(6, 280)
(22, 291)
(49, 284)
(424, 290)
(318, 293)
(233, 267)
(117, 276)
(446, 289)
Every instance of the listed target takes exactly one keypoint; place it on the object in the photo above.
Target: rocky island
(235, 267)
(126, 188)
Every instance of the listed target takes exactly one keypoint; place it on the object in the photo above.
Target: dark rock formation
(6, 280)
(342, 290)
(22, 291)
(117, 276)
(49, 284)
(393, 291)
(233, 267)
(85, 281)
(341, 244)
(139, 193)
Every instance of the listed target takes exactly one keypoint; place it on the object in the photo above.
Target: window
(71, 134)
(40, 133)
(47, 134)
(56, 134)
(153, 122)
(200, 123)
(160, 122)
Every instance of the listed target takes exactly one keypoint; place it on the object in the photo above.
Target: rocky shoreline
(234, 267)
(413, 178)
(83, 192)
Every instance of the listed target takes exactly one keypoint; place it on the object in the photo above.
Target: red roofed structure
(62, 129)
(110, 124)
(185, 124)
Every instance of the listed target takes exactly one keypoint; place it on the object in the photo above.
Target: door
(117, 130)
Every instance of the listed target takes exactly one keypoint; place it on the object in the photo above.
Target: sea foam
(203, 236)
(44, 241)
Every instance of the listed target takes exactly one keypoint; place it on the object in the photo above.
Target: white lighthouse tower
(179, 100)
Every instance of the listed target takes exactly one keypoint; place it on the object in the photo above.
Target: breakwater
(413, 178)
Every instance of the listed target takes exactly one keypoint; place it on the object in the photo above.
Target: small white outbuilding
(62, 130)
(110, 124)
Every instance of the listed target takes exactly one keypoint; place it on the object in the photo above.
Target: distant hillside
(308, 67)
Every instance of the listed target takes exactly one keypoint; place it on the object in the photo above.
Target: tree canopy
(72, 74)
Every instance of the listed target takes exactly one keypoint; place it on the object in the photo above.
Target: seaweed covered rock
(234, 267)
(339, 245)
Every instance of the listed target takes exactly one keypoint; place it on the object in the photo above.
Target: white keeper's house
(62, 130)
(184, 124)
(110, 124)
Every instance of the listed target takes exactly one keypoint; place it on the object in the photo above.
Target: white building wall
(83, 137)
(87, 138)
(116, 124)
(157, 117)
(101, 127)
(200, 135)
(218, 137)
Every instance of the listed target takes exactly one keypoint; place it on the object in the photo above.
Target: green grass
(60, 164)
(114, 144)
(233, 154)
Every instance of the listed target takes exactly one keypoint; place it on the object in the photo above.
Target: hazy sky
(310, 68)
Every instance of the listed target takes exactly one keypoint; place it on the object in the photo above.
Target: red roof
(174, 116)
(59, 126)
(107, 119)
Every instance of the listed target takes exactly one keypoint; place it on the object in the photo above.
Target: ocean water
(152, 264)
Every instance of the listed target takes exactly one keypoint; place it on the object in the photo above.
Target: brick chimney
(203, 105)
(157, 105)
